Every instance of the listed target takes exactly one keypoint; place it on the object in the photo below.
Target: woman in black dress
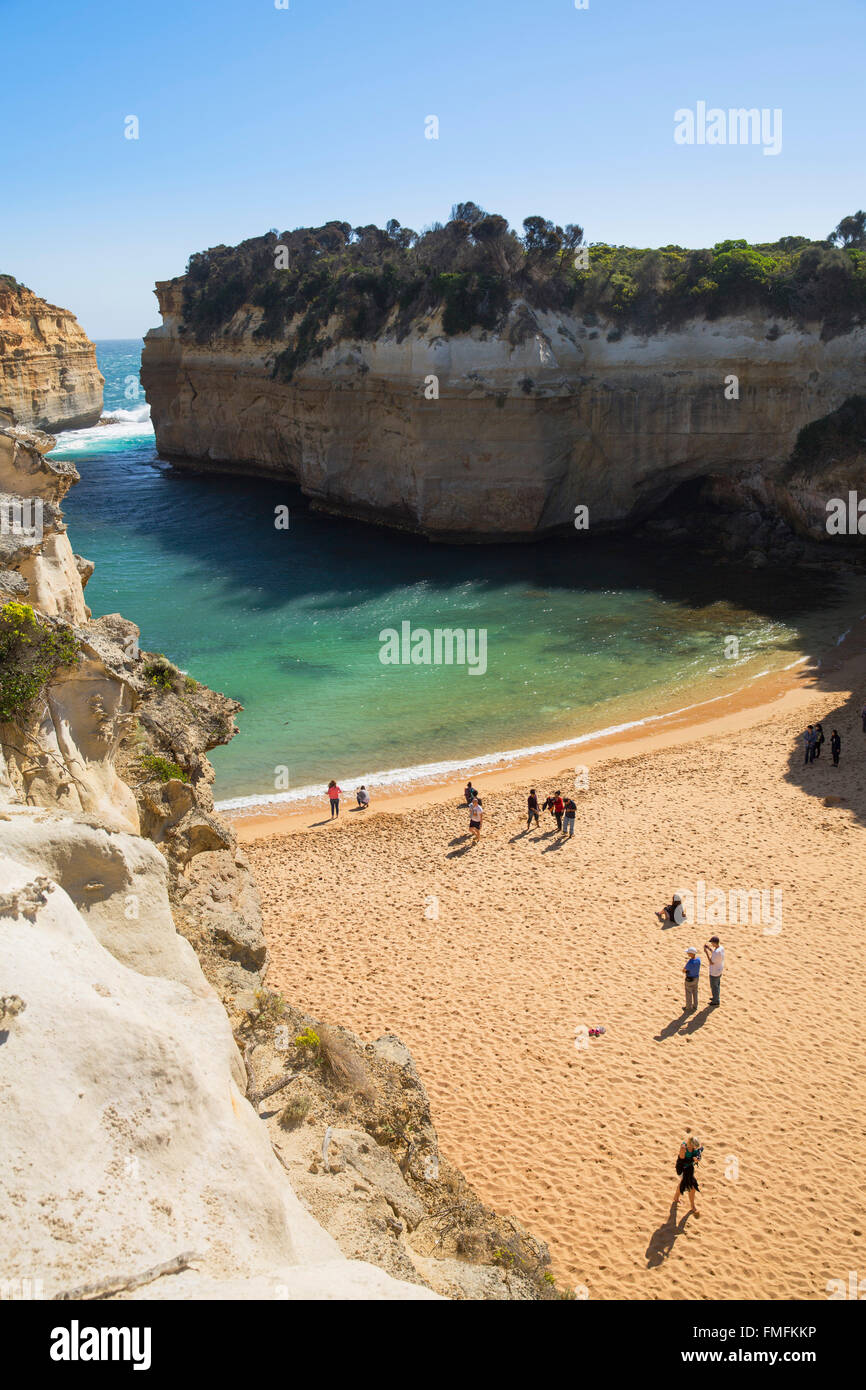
(689, 1154)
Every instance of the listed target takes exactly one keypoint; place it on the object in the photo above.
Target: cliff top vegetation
(474, 267)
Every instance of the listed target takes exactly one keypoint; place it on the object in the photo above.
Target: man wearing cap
(716, 958)
(691, 971)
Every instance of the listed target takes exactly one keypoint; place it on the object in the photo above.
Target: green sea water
(582, 634)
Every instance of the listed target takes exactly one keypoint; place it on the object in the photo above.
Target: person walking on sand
(690, 1153)
(835, 746)
(532, 807)
(808, 745)
(334, 794)
(570, 808)
(716, 957)
(558, 808)
(691, 971)
(476, 816)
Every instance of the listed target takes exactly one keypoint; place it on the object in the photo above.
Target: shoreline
(773, 693)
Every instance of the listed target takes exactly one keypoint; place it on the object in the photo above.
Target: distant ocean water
(582, 635)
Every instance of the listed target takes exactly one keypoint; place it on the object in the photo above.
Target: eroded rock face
(49, 379)
(522, 431)
(127, 1138)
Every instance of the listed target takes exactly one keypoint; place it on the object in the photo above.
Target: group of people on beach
(562, 809)
(813, 738)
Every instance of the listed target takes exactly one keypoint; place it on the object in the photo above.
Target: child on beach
(334, 794)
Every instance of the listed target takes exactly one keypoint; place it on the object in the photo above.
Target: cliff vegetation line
(318, 285)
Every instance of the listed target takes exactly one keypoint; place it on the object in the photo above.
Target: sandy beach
(492, 961)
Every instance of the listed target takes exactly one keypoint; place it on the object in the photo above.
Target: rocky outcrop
(49, 379)
(136, 1162)
(550, 414)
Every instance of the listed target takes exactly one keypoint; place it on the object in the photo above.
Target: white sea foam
(124, 424)
(427, 773)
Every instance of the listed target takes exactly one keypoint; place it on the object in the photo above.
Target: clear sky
(253, 117)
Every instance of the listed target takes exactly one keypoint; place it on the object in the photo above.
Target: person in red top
(558, 808)
(334, 794)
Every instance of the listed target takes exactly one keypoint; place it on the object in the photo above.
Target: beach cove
(494, 961)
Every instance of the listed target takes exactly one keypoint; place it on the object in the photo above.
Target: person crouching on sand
(673, 912)
(690, 1154)
(476, 815)
(334, 795)
(363, 798)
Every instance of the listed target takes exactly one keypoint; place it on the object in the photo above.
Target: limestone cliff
(49, 379)
(547, 414)
(131, 960)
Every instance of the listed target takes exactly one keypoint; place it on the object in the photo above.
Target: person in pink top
(334, 794)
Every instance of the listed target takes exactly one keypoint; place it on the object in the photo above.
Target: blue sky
(253, 117)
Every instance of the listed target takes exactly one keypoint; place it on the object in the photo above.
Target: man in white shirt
(716, 957)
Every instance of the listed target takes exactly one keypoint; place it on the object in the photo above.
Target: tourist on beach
(363, 797)
(476, 815)
(570, 808)
(808, 745)
(674, 912)
(334, 794)
(835, 747)
(819, 739)
(690, 1153)
(532, 808)
(691, 971)
(863, 717)
(469, 791)
(558, 808)
(716, 957)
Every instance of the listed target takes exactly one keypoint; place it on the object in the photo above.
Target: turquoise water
(581, 635)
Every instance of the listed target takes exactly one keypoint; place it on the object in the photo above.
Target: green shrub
(190, 684)
(294, 1112)
(161, 674)
(164, 768)
(343, 283)
(31, 651)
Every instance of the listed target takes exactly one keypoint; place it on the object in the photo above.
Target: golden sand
(490, 960)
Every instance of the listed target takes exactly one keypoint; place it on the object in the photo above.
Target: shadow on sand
(696, 1021)
(662, 1240)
